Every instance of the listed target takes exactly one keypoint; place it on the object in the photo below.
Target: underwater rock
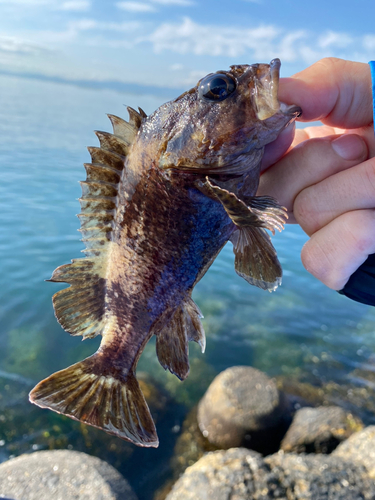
(243, 407)
(220, 475)
(243, 474)
(319, 477)
(62, 475)
(319, 430)
(360, 448)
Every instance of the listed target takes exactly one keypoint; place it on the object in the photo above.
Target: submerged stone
(243, 474)
(319, 477)
(319, 430)
(243, 407)
(220, 475)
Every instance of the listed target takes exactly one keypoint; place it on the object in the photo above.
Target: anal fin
(173, 334)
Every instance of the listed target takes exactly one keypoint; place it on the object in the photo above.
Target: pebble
(319, 430)
(243, 407)
(62, 475)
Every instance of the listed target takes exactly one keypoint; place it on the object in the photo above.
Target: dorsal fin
(123, 129)
(135, 118)
(80, 308)
(142, 113)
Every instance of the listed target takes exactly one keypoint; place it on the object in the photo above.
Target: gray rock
(243, 407)
(220, 475)
(62, 475)
(360, 448)
(319, 477)
(241, 474)
(319, 430)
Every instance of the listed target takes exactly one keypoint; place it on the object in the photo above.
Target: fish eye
(216, 87)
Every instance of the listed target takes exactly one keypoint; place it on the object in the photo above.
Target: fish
(164, 193)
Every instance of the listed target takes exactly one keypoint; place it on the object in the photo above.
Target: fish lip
(265, 90)
(292, 110)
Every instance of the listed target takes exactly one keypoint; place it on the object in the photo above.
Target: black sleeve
(361, 284)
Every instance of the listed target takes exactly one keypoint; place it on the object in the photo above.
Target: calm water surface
(303, 331)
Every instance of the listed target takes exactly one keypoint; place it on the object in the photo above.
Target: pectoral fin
(256, 260)
(255, 211)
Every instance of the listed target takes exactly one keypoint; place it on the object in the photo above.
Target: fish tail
(110, 400)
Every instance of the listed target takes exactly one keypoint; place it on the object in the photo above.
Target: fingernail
(349, 146)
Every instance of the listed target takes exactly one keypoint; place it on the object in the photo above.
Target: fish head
(222, 124)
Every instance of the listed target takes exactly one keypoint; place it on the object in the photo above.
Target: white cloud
(369, 42)
(135, 6)
(25, 3)
(177, 67)
(75, 5)
(189, 36)
(174, 2)
(19, 46)
(83, 25)
(260, 43)
(333, 39)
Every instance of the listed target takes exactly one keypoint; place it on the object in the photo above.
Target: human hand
(327, 178)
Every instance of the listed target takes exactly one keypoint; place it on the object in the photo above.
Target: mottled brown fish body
(163, 195)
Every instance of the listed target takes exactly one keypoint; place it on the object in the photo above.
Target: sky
(173, 43)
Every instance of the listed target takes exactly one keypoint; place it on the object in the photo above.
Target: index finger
(334, 91)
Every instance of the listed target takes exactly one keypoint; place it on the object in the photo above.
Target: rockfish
(164, 193)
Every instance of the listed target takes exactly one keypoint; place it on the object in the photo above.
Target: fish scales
(163, 195)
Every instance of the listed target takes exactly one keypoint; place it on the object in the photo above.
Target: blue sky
(173, 43)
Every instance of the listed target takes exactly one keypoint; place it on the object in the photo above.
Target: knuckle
(316, 261)
(305, 211)
(369, 171)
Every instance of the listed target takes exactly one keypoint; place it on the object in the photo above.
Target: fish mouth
(293, 111)
(265, 92)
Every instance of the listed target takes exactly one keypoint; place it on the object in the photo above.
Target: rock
(62, 475)
(360, 448)
(319, 477)
(243, 407)
(319, 430)
(220, 475)
(241, 474)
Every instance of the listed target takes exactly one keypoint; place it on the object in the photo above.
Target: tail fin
(110, 401)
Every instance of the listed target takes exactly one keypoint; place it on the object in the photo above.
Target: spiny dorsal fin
(142, 113)
(135, 118)
(123, 129)
(80, 308)
(112, 143)
(173, 332)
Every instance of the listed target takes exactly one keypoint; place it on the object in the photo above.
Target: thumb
(334, 91)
